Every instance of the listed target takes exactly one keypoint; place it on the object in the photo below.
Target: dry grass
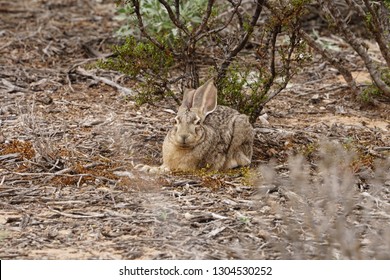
(327, 211)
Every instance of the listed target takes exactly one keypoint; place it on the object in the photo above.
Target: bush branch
(374, 25)
(219, 29)
(141, 26)
(336, 61)
(233, 53)
(176, 21)
(205, 19)
(355, 43)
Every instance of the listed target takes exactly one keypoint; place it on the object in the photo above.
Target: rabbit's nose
(184, 137)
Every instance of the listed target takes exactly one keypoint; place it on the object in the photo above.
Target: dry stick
(63, 174)
(124, 90)
(11, 87)
(381, 149)
(336, 61)
(356, 45)
(95, 215)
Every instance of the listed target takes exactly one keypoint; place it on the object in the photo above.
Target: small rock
(188, 216)
(263, 120)
(3, 220)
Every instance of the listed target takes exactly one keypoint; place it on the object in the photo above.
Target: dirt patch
(68, 144)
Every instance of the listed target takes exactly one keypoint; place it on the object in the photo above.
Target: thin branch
(78, 216)
(294, 42)
(177, 9)
(177, 13)
(219, 29)
(274, 36)
(176, 21)
(141, 26)
(358, 8)
(384, 14)
(287, 77)
(205, 19)
(233, 53)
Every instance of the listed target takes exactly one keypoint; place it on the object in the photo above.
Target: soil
(69, 144)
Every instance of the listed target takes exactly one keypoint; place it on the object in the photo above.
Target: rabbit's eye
(176, 120)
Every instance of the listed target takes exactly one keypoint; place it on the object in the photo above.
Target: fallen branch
(106, 81)
(97, 215)
(11, 87)
(381, 149)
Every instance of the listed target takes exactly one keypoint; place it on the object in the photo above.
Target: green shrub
(143, 61)
(241, 88)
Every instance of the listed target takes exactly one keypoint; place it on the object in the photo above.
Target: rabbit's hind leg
(241, 145)
(237, 159)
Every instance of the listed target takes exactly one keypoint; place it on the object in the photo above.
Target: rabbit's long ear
(205, 98)
(188, 98)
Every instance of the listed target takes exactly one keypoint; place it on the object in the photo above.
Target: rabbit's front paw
(152, 169)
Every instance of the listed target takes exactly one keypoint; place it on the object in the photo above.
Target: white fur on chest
(180, 159)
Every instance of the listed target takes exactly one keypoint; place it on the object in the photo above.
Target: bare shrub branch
(335, 60)
(375, 25)
(333, 13)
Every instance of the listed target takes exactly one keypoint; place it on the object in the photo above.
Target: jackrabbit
(206, 135)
